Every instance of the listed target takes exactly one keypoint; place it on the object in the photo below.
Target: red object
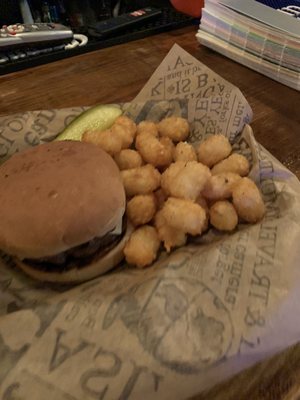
(190, 7)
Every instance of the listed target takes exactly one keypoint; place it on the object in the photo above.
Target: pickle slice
(96, 118)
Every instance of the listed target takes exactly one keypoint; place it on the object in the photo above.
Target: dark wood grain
(117, 74)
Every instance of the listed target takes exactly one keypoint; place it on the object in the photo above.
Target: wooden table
(117, 74)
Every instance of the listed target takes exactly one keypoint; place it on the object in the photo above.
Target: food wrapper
(195, 317)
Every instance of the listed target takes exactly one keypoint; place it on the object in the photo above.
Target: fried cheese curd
(175, 189)
(185, 180)
(175, 128)
(124, 134)
(141, 180)
(107, 140)
(142, 247)
(223, 215)
(235, 163)
(248, 201)
(184, 152)
(220, 186)
(128, 159)
(184, 215)
(147, 126)
(154, 150)
(170, 236)
(119, 136)
(141, 209)
(128, 123)
(213, 149)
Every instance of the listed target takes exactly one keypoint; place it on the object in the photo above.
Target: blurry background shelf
(169, 19)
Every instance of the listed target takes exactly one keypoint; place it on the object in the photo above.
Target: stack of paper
(263, 37)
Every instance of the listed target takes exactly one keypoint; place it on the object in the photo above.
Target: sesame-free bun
(56, 196)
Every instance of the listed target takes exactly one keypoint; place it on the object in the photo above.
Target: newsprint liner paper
(194, 318)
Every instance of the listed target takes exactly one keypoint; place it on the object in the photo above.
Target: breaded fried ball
(219, 187)
(107, 140)
(184, 152)
(171, 237)
(141, 209)
(235, 163)
(248, 201)
(128, 122)
(213, 149)
(154, 150)
(141, 180)
(124, 133)
(142, 247)
(175, 128)
(128, 159)
(223, 215)
(185, 180)
(148, 127)
(184, 215)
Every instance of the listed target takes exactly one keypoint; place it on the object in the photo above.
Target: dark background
(64, 10)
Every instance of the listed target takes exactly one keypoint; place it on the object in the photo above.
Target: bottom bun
(77, 275)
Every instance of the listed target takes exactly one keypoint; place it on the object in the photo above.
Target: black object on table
(168, 19)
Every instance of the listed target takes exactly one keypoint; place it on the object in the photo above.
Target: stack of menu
(263, 35)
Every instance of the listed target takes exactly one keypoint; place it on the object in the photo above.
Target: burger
(62, 211)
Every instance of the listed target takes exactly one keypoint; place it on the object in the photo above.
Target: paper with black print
(194, 318)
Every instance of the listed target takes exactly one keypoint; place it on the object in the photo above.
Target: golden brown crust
(56, 196)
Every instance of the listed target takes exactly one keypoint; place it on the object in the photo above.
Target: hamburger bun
(92, 270)
(55, 197)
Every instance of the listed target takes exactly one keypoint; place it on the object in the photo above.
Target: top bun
(56, 196)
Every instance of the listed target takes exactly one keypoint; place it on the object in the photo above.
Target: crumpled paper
(194, 318)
